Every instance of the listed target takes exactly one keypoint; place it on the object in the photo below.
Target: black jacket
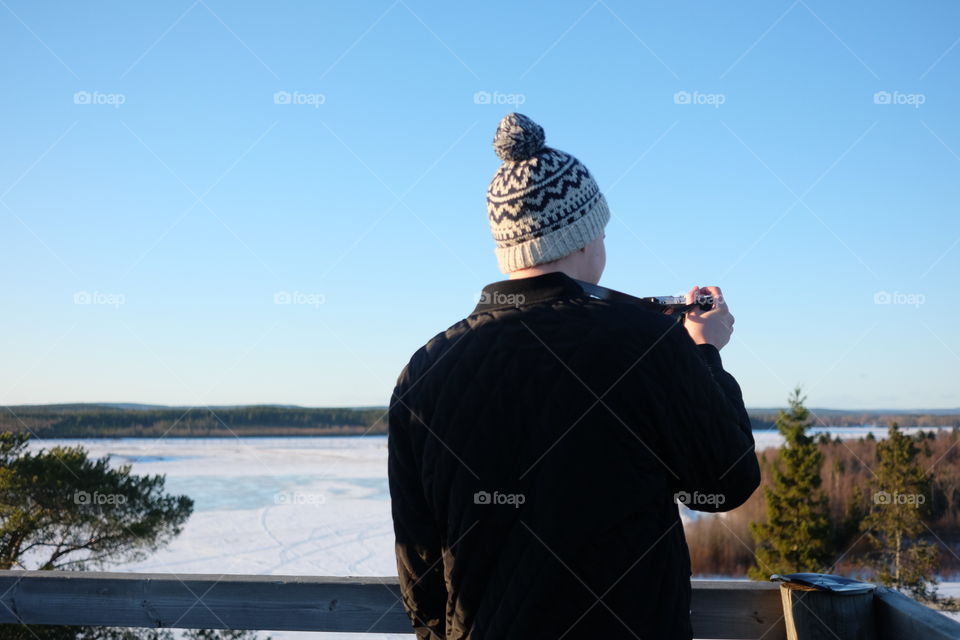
(536, 452)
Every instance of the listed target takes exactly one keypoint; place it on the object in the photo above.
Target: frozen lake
(312, 506)
(307, 506)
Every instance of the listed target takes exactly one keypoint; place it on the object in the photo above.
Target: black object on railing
(826, 582)
(819, 606)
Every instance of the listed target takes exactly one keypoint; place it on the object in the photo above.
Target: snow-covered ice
(272, 506)
(772, 438)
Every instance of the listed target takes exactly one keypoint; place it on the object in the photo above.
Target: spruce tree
(901, 501)
(796, 535)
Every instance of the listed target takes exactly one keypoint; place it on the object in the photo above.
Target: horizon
(147, 406)
(209, 202)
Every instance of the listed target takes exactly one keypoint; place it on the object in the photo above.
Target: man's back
(536, 449)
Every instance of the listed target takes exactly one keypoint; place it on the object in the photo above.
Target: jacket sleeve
(418, 544)
(701, 425)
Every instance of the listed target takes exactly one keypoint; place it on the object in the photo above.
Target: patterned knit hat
(542, 203)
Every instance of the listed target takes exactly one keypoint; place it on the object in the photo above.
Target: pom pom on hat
(518, 138)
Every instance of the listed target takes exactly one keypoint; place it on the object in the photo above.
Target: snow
(950, 590)
(772, 438)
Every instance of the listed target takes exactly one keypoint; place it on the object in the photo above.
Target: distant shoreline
(74, 421)
(111, 421)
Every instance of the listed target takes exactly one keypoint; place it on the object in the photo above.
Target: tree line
(834, 418)
(103, 421)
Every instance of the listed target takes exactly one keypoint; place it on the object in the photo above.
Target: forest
(107, 421)
(723, 545)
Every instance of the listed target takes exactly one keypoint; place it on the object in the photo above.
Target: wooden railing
(720, 609)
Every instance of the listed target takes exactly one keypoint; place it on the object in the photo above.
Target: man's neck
(532, 272)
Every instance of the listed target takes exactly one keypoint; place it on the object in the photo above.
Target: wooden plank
(722, 609)
(737, 609)
(281, 603)
(902, 618)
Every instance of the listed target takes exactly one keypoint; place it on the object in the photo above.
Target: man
(538, 448)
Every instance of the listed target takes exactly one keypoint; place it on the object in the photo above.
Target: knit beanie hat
(542, 203)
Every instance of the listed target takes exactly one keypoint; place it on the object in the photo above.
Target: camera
(673, 306)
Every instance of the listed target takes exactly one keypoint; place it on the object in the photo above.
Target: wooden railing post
(818, 606)
(813, 614)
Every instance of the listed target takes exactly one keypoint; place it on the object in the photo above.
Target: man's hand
(709, 327)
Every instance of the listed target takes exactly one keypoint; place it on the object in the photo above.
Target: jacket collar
(513, 293)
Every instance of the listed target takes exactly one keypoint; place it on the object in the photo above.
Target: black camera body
(673, 306)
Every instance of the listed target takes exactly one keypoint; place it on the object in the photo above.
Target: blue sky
(219, 202)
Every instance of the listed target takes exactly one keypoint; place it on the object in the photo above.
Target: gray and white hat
(542, 203)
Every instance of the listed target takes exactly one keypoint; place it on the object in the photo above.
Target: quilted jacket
(537, 452)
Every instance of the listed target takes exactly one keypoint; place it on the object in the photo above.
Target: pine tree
(796, 535)
(900, 504)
